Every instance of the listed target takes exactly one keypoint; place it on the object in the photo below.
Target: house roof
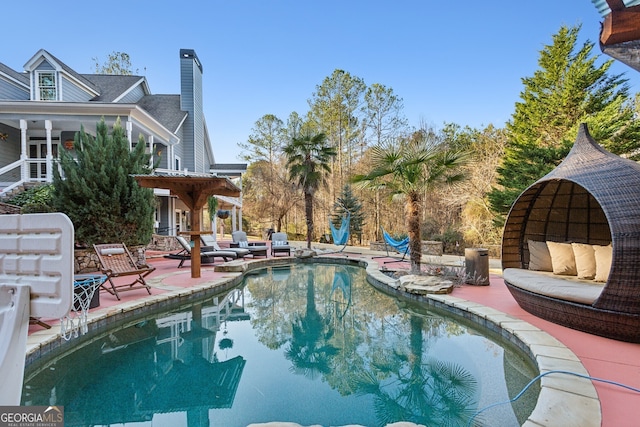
(20, 77)
(165, 109)
(111, 86)
(229, 169)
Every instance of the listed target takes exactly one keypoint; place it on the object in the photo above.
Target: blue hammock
(341, 235)
(401, 246)
(342, 282)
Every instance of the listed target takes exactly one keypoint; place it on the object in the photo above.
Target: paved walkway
(603, 358)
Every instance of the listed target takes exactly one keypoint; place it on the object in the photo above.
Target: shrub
(98, 191)
(34, 199)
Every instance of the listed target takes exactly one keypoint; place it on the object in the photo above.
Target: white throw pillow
(585, 260)
(562, 259)
(243, 244)
(539, 257)
(279, 243)
(603, 256)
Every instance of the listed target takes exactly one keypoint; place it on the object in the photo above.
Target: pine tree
(97, 192)
(567, 90)
(347, 202)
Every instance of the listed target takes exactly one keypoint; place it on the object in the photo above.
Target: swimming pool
(311, 344)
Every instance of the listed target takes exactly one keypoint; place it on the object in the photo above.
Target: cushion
(279, 243)
(562, 259)
(539, 257)
(568, 288)
(603, 255)
(112, 251)
(585, 260)
(243, 244)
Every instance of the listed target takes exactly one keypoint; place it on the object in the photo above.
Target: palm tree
(414, 166)
(308, 159)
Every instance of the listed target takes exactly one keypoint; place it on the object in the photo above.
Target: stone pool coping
(564, 400)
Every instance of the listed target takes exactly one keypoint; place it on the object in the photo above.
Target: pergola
(193, 190)
(620, 33)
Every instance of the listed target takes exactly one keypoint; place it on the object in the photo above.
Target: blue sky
(450, 61)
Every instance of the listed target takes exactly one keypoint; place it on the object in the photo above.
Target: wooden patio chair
(116, 261)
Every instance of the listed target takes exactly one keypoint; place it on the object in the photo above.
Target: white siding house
(42, 107)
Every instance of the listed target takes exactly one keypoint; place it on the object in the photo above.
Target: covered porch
(33, 134)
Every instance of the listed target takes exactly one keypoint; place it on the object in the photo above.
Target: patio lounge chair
(240, 241)
(116, 261)
(207, 253)
(280, 244)
(208, 241)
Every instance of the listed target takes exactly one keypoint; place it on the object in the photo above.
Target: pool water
(309, 343)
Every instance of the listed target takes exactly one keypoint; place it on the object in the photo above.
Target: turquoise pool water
(310, 344)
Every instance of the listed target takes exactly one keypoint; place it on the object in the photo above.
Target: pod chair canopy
(592, 197)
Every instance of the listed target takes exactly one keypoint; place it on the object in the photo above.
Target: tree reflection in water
(310, 350)
(406, 388)
(329, 348)
(366, 346)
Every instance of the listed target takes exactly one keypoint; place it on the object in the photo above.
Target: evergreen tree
(264, 148)
(347, 202)
(568, 89)
(334, 107)
(98, 193)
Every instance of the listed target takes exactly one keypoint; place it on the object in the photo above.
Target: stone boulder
(422, 285)
(305, 253)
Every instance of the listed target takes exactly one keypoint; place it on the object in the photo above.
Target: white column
(49, 157)
(240, 198)
(129, 127)
(233, 218)
(24, 168)
(151, 151)
(172, 217)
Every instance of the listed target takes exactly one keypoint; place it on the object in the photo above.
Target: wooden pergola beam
(621, 25)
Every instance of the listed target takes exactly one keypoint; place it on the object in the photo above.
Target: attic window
(47, 86)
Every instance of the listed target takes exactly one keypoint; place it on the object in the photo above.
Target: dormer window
(47, 86)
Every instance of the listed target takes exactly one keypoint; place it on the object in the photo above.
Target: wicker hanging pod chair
(592, 197)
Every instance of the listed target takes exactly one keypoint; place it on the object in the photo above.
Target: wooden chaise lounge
(593, 198)
(116, 261)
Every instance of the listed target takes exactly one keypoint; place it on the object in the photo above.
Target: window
(47, 86)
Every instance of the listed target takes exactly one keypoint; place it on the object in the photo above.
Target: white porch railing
(28, 170)
(6, 186)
